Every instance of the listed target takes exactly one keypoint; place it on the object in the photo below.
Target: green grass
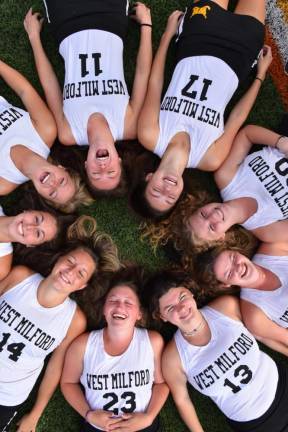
(112, 215)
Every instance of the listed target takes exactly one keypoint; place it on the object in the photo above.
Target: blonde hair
(81, 196)
(85, 229)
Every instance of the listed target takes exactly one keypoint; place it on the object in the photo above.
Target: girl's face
(211, 221)
(73, 271)
(162, 190)
(103, 167)
(232, 268)
(32, 228)
(122, 307)
(55, 184)
(178, 307)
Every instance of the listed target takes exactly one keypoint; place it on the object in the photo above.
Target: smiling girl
(118, 366)
(25, 142)
(219, 357)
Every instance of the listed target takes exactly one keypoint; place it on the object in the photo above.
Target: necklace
(195, 330)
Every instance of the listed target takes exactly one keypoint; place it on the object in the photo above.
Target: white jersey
(195, 103)
(16, 128)
(230, 369)
(273, 303)
(263, 176)
(123, 383)
(5, 248)
(94, 81)
(28, 333)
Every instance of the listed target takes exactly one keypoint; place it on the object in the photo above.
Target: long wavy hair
(175, 229)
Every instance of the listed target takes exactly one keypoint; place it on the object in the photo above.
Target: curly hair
(175, 229)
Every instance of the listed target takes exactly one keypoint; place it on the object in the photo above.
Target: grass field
(113, 216)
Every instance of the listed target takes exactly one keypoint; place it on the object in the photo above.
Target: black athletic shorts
(7, 413)
(208, 29)
(153, 428)
(70, 16)
(276, 417)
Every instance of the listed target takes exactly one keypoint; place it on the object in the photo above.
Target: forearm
(159, 395)
(75, 397)
(243, 107)
(275, 345)
(158, 66)
(144, 56)
(189, 415)
(14, 79)
(47, 76)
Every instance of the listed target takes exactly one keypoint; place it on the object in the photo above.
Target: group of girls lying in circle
(118, 377)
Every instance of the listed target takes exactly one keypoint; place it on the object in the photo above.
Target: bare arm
(148, 128)
(5, 265)
(177, 382)
(241, 145)
(47, 76)
(263, 328)
(242, 109)
(274, 232)
(41, 117)
(52, 375)
(143, 68)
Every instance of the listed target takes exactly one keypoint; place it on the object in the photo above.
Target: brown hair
(175, 229)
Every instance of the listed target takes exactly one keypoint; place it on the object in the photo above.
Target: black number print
(246, 375)
(130, 403)
(14, 348)
(83, 60)
(193, 94)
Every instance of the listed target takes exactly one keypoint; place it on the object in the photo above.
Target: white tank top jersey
(28, 333)
(194, 103)
(94, 81)
(263, 176)
(123, 383)
(5, 248)
(230, 369)
(273, 303)
(16, 128)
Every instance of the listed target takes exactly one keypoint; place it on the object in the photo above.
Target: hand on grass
(264, 61)
(141, 13)
(33, 24)
(27, 423)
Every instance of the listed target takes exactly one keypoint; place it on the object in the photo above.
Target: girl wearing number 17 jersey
(215, 49)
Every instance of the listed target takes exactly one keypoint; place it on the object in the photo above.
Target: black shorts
(208, 29)
(7, 413)
(276, 417)
(70, 16)
(153, 428)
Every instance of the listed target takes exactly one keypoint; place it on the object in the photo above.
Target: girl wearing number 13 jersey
(219, 357)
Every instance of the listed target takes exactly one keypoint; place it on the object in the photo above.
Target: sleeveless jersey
(230, 369)
(94, 81)
(262, 176)
(195, 103)
(5, 248)
(273, 303)
(28, 333)
(16, 128)
(118, 383)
